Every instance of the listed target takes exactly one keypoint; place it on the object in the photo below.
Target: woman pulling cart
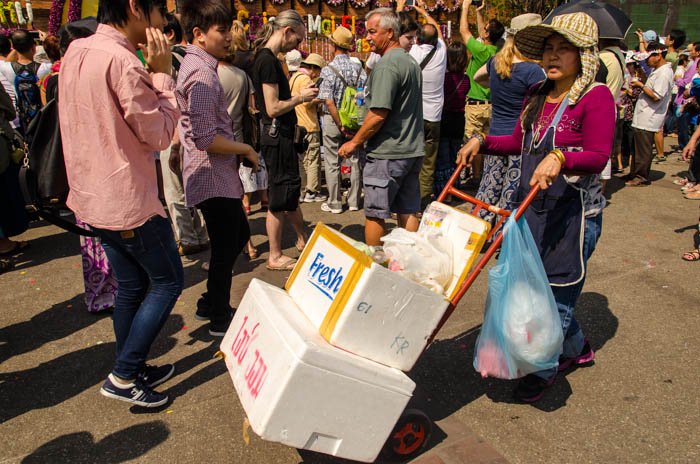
(565, 137)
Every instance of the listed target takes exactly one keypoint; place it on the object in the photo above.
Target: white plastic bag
(423, 258)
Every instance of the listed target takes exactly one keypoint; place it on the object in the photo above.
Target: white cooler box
(299, 390)
(359, 305)
(467, 234)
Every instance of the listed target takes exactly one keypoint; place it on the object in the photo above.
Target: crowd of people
(182, 110)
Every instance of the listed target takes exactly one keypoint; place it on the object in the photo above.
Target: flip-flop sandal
(681, 182)
(692, 195)
(18, 246)
(691, 256)
(287, 265)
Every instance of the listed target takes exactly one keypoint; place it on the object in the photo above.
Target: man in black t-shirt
(276, 105)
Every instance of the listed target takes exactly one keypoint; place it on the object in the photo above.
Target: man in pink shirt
(113, 116)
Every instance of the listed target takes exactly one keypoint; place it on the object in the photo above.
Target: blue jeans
(566, 298)
(142, 257)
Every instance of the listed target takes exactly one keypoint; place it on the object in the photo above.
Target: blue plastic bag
(522, 331)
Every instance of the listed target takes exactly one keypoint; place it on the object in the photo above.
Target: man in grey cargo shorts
(392, 130)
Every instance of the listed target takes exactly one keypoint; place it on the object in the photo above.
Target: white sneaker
(353, 208)
(328, 209)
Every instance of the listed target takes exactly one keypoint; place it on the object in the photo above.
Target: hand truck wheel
(409, 438)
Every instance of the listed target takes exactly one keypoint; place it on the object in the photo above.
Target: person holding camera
(477, 113)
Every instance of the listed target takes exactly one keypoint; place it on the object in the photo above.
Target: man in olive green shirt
(392, 130)
(477, 113)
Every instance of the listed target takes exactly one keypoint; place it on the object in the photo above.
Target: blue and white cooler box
(299, 390)
(361, 306)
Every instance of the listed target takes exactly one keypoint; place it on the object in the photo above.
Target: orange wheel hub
(409, 438)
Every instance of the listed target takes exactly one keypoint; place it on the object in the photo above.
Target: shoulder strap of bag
(359, 75)
(452, 94)
(337, 73)
(48, 216)
(33, 67)
(427, 58)
(291, 84)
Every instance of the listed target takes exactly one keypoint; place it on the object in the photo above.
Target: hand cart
(412, 431)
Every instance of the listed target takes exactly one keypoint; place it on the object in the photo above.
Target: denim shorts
(391, 186)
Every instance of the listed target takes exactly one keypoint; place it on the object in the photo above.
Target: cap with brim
(314, 59)
(577, 28)
(632, 57)
(644, 55)
(650, 36)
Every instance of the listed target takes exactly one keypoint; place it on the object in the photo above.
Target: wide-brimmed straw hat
(521, 22)
(577, 28)
(341, 37)
(314, 59)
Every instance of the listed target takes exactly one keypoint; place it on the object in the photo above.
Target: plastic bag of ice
(521, 332)
(425, 258)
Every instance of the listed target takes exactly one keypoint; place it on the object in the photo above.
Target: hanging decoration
(334, 2)
(30, 13)
(359, 3)
(75, 8)
(307, 2)
(55, 16)
(456, 4)
(384, 3)
(433, 8)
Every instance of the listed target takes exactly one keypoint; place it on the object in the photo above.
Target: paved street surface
(640, 402)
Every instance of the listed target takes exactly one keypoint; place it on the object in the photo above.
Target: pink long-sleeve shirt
(584, 134)
(113, 117)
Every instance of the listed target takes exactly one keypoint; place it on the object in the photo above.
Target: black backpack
(42, 177)
(28, 94)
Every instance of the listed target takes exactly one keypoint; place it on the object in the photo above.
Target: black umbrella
(612, 22)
